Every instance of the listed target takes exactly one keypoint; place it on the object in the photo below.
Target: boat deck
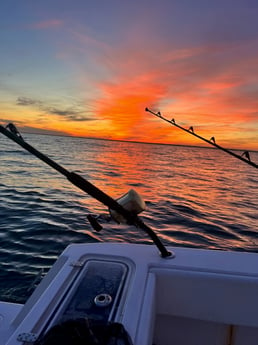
(199, 297)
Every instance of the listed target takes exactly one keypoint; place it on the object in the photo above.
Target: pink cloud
(47, 24)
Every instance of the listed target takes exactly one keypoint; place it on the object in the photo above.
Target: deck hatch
(97, 278)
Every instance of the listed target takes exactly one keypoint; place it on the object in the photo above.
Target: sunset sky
(90, 67)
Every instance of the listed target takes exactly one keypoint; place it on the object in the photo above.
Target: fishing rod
(12, 133)
(211, 141)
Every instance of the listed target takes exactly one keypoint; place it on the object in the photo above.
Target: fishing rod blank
(210, 142)
(87, 187)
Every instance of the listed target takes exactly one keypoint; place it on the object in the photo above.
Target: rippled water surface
(196, 197)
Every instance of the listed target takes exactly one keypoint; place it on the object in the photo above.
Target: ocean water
(195, 197)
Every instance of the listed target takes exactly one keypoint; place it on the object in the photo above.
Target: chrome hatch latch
(27, 337)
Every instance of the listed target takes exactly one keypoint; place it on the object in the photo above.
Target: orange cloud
(191, 84)
(123, 105)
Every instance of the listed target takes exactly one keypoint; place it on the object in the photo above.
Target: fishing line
(211, 141)
(132, 219)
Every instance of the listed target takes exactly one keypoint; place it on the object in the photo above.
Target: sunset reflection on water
(194, 196)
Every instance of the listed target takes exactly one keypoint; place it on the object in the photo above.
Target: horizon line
(134, 141)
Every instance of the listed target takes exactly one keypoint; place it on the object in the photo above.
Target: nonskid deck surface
(196, 297)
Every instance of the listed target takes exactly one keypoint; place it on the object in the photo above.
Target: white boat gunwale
(158, 289)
